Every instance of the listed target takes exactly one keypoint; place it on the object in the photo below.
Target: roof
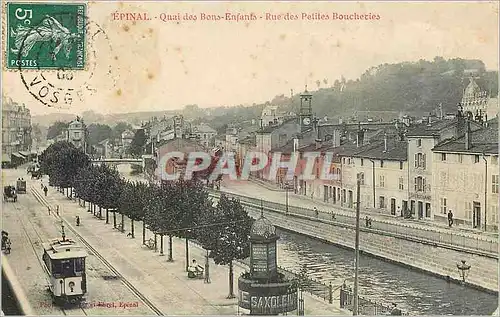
(432, 129)
(271, 128)
(396, 150)
(59, 249)
(262, 228)
(484, 140)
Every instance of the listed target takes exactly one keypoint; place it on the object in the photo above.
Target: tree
(56, 129)
(62, 161)
(132, 202)
(107, 187)
(98, 132)
(138, 142)
(230, 238)
(119, 128)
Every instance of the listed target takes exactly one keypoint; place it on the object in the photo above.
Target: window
(494, 214)
(343, 160)
(381, 201)
(400, 165)
(381, 163)
(79, 265)
(459, 158)
(362, 162)
(442, 203)
(401, 183)
(476, 158)
(420, 160)
(77, 135)
(381, 180)
(468, 210)
(443, 156)
(494, 184)
(362, 178)
(419, 142)
(494, 160)
(419, 184)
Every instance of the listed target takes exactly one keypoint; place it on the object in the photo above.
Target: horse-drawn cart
(9, 193)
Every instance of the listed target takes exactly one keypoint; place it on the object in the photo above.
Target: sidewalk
(166, 283)
(252, 189)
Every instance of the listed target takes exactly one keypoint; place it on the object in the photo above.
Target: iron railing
(366, 306)
(487, 246)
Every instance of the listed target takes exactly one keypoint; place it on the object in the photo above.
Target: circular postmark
(58, 57)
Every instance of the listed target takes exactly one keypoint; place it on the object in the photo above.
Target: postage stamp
(46, 36)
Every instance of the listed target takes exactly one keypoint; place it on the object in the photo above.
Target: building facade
(205, 135)
(77, 133)
(465, 178)
(16, 130)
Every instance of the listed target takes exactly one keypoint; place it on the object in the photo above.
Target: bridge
(118, 160)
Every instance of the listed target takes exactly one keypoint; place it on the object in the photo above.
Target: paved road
(164, 283)
(29, 225)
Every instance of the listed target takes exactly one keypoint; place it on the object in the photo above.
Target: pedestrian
(367, 221)
(316, 212)
(400, 211)
(450, 218)
(41, 185)
(370, 222)
(48, 208)
(45, 189)
(77, 221)
(333, 216)
(57, 210)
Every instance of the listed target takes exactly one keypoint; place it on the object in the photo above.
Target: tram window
(79, 265)
(57, 267)
(68, 267)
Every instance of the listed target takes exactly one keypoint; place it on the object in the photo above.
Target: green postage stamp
(46, 36)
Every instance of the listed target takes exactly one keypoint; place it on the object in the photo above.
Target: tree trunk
(170, 257)
(132, 227)
(231, 277)
(100, 212)
(187, 254)
(90, 206)
(161, 244)
(143, 232)
(71, 193)
(123, 224)
(114, 219)
(107, 216)
(156, 242)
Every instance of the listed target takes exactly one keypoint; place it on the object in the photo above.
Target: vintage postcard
(250, 158)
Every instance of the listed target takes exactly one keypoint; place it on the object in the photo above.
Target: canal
(415, 292)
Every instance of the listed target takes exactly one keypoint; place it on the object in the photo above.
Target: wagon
(9, 192)
(36, 174)
(21, 186)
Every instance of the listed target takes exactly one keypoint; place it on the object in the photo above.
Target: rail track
(99, 256)
(38, 241)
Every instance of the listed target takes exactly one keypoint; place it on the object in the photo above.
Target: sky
(157, 65)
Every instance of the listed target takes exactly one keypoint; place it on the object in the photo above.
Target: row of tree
(180, 209)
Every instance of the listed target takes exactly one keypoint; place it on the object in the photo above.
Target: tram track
(38, 196)
(39, 241)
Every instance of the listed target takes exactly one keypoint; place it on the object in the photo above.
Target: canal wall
(14, 300)
(427, 257)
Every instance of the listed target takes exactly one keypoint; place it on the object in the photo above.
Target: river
(415, 292)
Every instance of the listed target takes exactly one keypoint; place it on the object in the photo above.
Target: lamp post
(287, 184)
(356, 247)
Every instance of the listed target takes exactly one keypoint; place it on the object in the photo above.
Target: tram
(64, 263)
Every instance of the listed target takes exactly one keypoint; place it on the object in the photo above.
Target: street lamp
(287, 184)
(463, 270)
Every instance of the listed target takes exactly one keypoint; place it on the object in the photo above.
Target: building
(465, 178)
(126, 139)
(205, 134)
(16, 132)
(271, 116)
(478, 102)
(77, 133)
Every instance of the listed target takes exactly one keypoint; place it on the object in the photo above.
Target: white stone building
(205, 134)
(465, 178)
(271, 115)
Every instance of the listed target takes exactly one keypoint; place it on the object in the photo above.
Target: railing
(366, 306)
(484, 245)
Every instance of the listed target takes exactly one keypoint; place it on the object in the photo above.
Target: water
(414, 292)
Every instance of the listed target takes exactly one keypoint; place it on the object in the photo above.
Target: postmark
(61, 84)
(40, 37)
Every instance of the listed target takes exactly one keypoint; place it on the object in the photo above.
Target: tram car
(64, 262)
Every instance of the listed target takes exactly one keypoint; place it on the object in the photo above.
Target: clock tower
(305, 112)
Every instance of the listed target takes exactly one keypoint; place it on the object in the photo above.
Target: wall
(462, 184)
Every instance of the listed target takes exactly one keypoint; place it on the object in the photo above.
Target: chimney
(468, 137)
(385, 142)
(334, 138)
(318, 144)
(360, 138)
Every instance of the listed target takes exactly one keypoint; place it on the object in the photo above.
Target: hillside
(384, 91)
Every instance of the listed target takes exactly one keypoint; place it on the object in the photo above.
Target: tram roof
(58, 249)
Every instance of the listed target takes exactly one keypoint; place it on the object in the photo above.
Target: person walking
(395, 310)
(77, 221)
(45, 190)
(450, 218)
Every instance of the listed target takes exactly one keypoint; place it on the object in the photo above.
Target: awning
(5, 157)
(25, 153)
(16, 154)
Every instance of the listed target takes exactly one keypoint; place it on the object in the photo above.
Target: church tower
(305, 112)
(474, 101)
